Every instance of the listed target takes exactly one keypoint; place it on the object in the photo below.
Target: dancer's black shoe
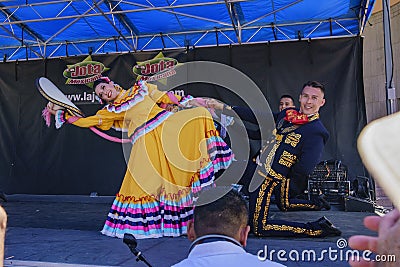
(328, 229)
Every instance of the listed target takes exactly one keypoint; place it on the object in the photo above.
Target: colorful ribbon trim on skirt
(166, 215)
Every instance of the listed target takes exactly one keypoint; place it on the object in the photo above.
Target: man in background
(286, 101)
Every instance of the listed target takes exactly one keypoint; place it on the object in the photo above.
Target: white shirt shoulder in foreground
(222, 253)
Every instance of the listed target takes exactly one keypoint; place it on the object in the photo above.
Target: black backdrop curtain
(35, 159)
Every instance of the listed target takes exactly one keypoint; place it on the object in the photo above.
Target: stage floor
(65, 231)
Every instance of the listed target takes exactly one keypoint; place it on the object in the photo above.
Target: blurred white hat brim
(379, 148)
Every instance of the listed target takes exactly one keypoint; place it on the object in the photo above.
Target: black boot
(328, 229)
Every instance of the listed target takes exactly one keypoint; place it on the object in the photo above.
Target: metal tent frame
(31, 29)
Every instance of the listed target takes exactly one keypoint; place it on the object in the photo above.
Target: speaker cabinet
(358, 204)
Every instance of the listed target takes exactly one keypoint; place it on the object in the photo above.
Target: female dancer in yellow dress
(173, 156)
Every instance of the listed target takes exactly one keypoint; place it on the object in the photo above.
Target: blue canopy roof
(32, 29)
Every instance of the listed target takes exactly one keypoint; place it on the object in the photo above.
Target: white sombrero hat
(54, 95)
(379, 148)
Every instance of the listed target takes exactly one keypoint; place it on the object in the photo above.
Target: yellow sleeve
(103, 119)
(159, 96)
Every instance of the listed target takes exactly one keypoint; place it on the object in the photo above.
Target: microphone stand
(131, 242)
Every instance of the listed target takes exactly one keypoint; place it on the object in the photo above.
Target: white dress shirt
(222, 253)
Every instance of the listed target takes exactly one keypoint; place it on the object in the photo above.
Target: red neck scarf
(296, 117)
